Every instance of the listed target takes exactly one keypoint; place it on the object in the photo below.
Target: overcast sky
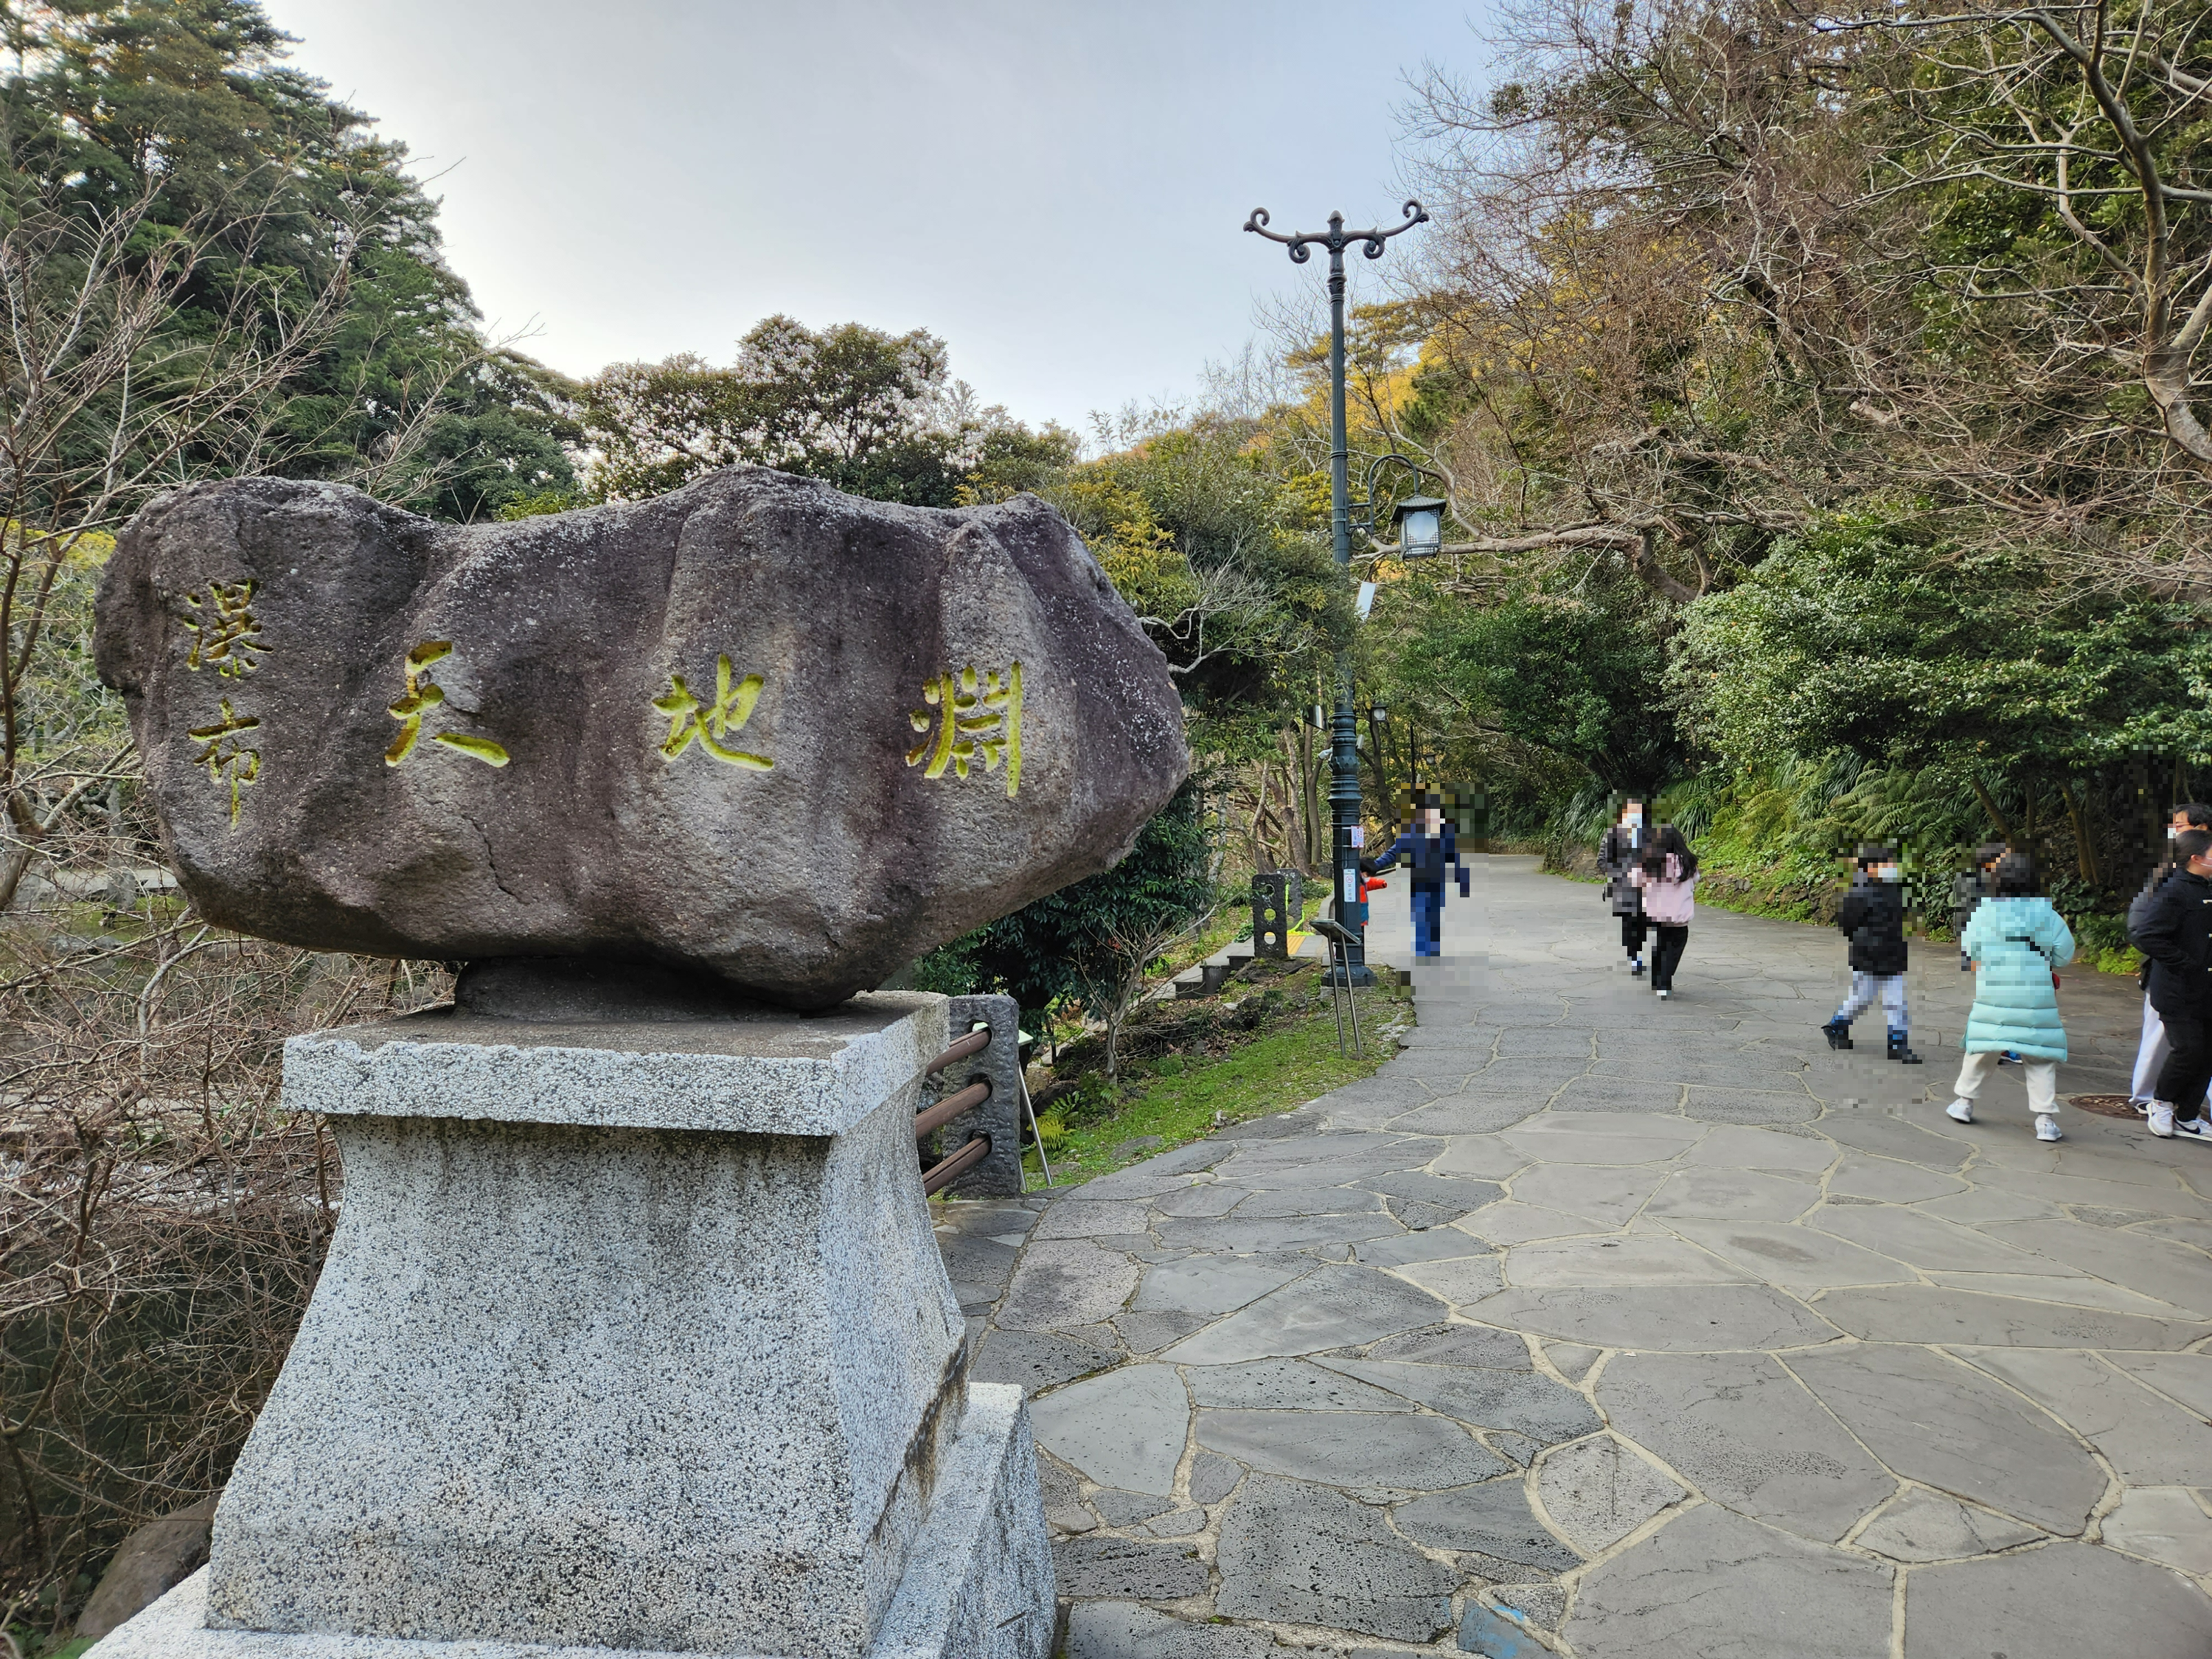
(1056, 188)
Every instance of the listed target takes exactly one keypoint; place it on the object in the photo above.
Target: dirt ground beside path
(1628, 1330)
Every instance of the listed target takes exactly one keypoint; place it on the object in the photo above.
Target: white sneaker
(2197, 1128)
(1662, 996)
(2046, 1129)
(2161, 1120)
(1959, 1111)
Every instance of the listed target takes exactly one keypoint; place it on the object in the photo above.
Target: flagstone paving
(1627, 1330)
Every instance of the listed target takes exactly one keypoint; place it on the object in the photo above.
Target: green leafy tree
(1222, 557)
(852, 405)
(1093, 939)
(1870, 637)
(499, 446)
(285, 232)
(1576, 678)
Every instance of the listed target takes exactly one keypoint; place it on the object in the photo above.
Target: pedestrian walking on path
(1666, 877)
(1430, 851)
(2177, 936)
(2152, 1050)
(2017, 944)
(1872, 916)
(1617, 856)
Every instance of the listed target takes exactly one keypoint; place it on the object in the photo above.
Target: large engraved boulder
(756, 727)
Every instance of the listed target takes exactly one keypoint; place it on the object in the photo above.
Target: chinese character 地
(419, 698)
(224, 634)
(976, 720)
(225, 756)
(691, 721)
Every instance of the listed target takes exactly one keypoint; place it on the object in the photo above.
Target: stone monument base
(977, 1585)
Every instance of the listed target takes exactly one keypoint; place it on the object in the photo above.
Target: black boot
(1898, 1051)
(1839, 1032)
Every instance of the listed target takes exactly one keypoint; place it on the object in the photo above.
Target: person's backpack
(2139, 908)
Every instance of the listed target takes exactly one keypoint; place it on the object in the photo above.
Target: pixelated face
(2176, 824)
(1429, 820)
(1632, 811)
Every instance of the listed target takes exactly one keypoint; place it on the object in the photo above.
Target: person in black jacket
(1872, 916)
(2177, 936)
(1617, 857)
(2151, 1052)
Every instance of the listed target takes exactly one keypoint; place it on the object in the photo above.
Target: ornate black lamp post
(1343, 749)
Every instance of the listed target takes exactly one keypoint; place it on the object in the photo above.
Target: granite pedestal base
(633, 1338)
(978, 1581)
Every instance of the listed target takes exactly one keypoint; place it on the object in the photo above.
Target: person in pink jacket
(1667, 874)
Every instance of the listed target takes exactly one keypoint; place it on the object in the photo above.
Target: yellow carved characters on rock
(977, 719)
(224, 630)
(225, 755)
(691, 721)
(419, 698)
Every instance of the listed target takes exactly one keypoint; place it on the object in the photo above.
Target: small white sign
(1351, 887)
(1360, 834)
(1366, 600)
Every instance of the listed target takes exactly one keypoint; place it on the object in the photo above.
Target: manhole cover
(2103, 1105)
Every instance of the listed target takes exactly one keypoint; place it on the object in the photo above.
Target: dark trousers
(1632, 933)
(1667, 954)
(2181, 1080)
(1428, 918)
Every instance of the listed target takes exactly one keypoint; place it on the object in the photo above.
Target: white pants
(2041, 1075)
(1864, 987)
(2151, 1055)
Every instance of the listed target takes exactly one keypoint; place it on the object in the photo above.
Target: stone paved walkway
(1628, 1330)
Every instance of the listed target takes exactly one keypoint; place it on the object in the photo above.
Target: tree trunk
(2085, 854)
(2003, 829)
(1385, 808)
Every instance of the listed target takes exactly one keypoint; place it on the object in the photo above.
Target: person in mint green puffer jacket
(2017, 944)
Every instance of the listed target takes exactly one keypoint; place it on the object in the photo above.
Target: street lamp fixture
(1344, 750)
(1420, 521)
(1379, 715)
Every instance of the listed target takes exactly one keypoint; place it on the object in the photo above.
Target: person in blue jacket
(2017, 944)
(1429, 850)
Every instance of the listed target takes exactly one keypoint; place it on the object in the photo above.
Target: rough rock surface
(154, 1560)
(708, 731)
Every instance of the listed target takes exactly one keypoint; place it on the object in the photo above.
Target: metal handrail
(929, 1121)
(974, 1043)
(945, 1169)
(966, 1100)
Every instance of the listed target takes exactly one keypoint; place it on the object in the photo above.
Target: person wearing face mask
(2177, 936)
(2018, 943)
(2151, 1052)
(1872, 916)
(1618, 855)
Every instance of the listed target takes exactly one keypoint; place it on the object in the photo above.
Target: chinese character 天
(419, 698)
(976, 720)
(691, 721)
(225, 630)
(225, 756)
